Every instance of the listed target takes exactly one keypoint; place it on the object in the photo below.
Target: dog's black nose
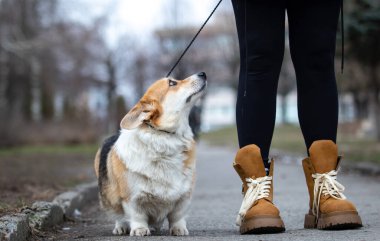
(202, 75)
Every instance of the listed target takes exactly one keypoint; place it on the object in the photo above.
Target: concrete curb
(14, 227)
(44, 215)
(77, 198)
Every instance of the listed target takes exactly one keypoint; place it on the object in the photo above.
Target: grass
(31, 173)
(289, 138)
(49, 149)
(225, 137)
(14, 207)
(4, 207)
(286, 137)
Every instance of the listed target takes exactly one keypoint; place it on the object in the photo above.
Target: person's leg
(260, 26)
(312, 32)
(312, 36)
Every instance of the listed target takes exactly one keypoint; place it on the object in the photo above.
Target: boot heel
(310, 221)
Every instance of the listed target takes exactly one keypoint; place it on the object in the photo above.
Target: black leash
(217, 5)
(342, 32)
(191, 42)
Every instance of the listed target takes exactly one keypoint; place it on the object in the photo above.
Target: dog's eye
(172, 83)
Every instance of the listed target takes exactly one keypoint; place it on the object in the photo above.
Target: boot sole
(334, 221)
(262, 225)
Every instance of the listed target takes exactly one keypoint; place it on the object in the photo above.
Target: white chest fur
(155, 163)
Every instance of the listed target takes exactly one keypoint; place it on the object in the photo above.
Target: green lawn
(289, 138)
(31, 173)
(49, 149)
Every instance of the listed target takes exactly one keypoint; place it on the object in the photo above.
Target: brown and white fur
(146, 172)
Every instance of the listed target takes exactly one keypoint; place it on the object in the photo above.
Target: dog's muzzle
(199, 84)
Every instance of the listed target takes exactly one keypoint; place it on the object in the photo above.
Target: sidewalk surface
(218, 197)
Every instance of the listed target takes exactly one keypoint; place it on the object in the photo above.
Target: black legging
(312, 36)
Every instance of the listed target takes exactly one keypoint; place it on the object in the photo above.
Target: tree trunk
(376, 113)
(140, 75)
(377, 119)
(113, 123)
(375, 100)
(360, 105)
(3, 82)
(284, 109)
(47, 101)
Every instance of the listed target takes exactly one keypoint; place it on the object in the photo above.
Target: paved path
(217, 199)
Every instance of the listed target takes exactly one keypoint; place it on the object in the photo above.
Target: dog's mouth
(197, 92)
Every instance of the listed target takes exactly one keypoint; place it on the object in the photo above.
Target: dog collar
(154, 128)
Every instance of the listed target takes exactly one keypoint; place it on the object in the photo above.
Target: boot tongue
(323, 155)
(250, 161)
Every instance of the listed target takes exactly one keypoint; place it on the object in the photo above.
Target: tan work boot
(329, 208)
(257, 213)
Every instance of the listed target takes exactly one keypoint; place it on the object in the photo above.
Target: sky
(139, 18)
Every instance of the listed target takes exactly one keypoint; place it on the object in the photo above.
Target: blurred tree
(49, 61)
(228, 45)
(121, 110)
(363, 34)
(69, 109)
(111, 93)
(140, 73)
(286, 84)
(20, 22)
(47, 101)
(355, 82)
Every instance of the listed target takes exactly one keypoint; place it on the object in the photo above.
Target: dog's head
(166, 104)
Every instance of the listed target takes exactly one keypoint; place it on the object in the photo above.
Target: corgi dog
(146, 172)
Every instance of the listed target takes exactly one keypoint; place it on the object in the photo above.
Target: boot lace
(327, 185)
(257, 189)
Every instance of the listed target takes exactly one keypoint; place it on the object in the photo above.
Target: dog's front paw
(120, 228)
(179, 230)
(140, 232)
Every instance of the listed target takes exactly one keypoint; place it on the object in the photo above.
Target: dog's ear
(142, 111)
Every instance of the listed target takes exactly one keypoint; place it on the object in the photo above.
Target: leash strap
(191, 42)
(342, 32)
(217, 5)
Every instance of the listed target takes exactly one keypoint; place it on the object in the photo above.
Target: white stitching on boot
(327, 185)
(257, 189)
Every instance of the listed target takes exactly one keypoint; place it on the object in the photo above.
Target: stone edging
(77, 198)
(44, 215)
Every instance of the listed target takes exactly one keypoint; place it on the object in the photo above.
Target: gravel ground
(217, 199)
(29, 177)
